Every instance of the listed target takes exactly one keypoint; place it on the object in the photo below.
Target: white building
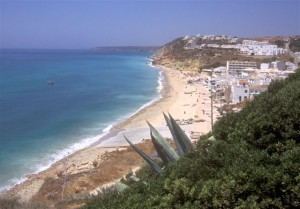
(260, 81)
(264, 66)
(239, 93)
(185, 38)
(278, 65)
(260, 48)
(235, 67)
(290, 66)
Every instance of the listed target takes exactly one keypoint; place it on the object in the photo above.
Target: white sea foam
(11, 183)
(159, 89)
(160, 83)
(150, 63)
(144, 106)
(160, 80)
(107, 129)
(60, 154)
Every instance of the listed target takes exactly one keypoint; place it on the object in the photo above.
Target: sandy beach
(182, 97)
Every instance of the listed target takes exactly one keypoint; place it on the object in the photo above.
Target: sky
(83, 24)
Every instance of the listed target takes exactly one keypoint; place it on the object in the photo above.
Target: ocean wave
(143, 107)
(130, 96)
(160, 83)
(11, 183)
(161, 78)
(159, 88)
(150, 63)
(108, 128)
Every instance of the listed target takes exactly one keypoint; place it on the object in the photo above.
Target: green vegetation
(253, 163)
(279, 43)
(164, 149)
(182, 141)
(151, 162)
(295, 44)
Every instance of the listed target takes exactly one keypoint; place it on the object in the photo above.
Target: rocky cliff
(174, 55)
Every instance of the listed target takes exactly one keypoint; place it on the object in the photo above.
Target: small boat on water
(50, 82)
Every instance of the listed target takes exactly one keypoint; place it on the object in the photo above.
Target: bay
(91, 91)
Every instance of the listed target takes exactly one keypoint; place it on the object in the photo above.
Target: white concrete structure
(290, 66)
(264, 66)
(278, 65)
(185, 38)
(260, 81)
(260, 48)
(228, 46)
(239, 93)
(229, 42)
(235, 67)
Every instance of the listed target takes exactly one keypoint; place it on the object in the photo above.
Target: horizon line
(91, 48)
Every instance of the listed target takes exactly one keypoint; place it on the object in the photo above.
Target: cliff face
(185, 54)
(174, 55)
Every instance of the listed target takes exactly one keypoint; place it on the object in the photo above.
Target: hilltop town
(198, 52)
(249, 47)
(238, 68)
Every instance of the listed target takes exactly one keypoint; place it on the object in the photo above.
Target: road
(295, 56)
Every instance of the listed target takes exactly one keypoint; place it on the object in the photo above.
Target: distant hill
(126, 48)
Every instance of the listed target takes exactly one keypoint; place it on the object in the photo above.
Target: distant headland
(127, 48)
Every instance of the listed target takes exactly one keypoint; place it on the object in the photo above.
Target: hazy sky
(72, 24)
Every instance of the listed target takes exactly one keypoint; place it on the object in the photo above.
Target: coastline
(173, 100)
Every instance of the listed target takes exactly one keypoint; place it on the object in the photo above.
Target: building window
(246, 91)
(240, 98)
(245, 97)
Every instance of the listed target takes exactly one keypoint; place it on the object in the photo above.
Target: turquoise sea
(91, 91)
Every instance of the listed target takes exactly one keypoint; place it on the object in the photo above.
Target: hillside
(194, 53)
(252, 163)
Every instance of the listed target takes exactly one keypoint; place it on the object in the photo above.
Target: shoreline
(172, 100)
(163, 94)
